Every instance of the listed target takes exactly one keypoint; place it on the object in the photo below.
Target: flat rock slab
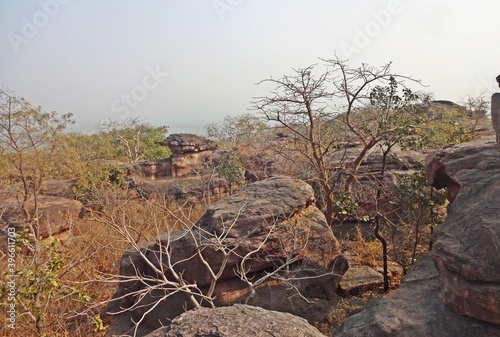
(416, 309)
(238, 320)
(186, 143)
(358, 280)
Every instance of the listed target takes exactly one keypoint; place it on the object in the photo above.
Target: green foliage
(98, 178)
(230, 168)
(135, 140)
(236, 130)
(445, 128)
(99, 325)
(88, 147)
(345, 204)
(393, 114)
(39, 279)
(417, 195)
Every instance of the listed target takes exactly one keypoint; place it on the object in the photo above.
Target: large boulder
(269, 244)
(237, 320)
(466, 246)
(187, 143)
(455, 290)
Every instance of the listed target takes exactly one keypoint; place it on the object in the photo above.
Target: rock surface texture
(416, 309)
(56, 210)
(187, 143)
(467, 245)
(455, 290)
(189, 153)
(270, 227)
(238, 320)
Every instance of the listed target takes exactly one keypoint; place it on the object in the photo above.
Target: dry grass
(342, 309)
(90, 253)
(363, 252)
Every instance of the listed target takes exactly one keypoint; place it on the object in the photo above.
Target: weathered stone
(187, 143)
(359, 279)
(190, 155)
(237, 320)
(415, 309)
(270, 222)
(56, 214)
(495, 115)
(466, 250)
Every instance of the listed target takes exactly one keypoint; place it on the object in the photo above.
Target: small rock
(358, 280)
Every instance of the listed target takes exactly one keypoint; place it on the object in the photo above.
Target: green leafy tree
(93, 181)
(230, 169)
(135, 140)
(237, 130)
(31, 148)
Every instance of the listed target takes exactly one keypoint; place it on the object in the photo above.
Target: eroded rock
(416, 309)
(237, 320)
(360, 279)
(466, 246)
(261, 228)
(187, 143)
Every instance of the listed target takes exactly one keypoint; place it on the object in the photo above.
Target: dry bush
(88, 253)
(364, 252)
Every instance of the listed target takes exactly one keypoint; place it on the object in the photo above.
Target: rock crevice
(454, 290)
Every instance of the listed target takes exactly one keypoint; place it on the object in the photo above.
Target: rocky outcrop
(187, 143)
(455, 290)
(190, 153)
(416, 309)
(237, 320)
(466, 248)
(495, 112)
(270, 227)
(56, 210)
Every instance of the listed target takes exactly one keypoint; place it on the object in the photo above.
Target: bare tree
(313, 109)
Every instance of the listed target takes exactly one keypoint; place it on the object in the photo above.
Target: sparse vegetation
(318, 127)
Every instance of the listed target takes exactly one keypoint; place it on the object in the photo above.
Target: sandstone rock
(55, 213)
(495, 115)
(416, 309)
(453, 291)
(270, 221)
(151, 169)
(359, 279)
(237, 320)
(466, 250)
(187, 143)
(190, 156)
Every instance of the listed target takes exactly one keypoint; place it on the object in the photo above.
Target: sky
(186, 63)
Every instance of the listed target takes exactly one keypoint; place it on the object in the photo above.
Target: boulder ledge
(271, 230)
(454, 290)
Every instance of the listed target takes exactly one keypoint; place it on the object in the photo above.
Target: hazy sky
(185, 63)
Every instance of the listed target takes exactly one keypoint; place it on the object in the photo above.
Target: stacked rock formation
(189, 153)
(237, 320)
